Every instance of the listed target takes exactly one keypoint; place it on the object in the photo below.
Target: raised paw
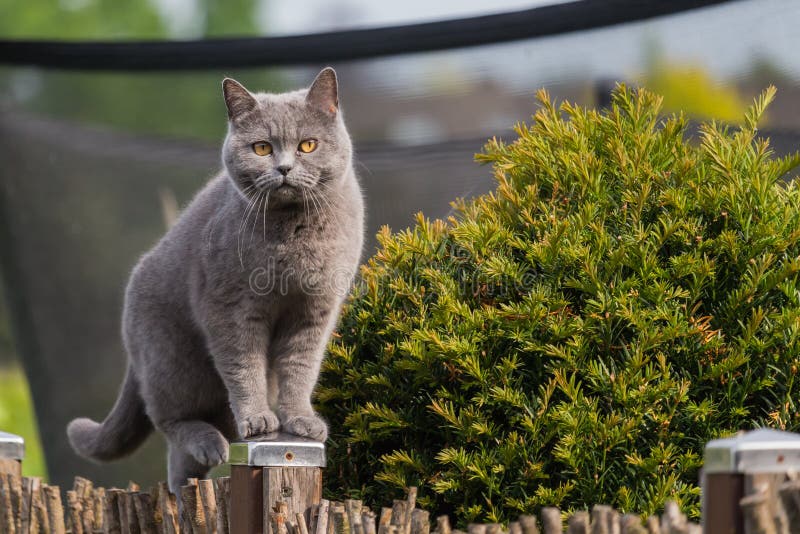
(209, 449)
(307, 426)
(255, 425)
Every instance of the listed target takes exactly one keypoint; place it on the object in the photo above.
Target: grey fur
(226, 319)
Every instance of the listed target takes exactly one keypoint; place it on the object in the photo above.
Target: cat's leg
(239, 352)
(298, 349)
(200, 440)
(182, 466)
(183, 392)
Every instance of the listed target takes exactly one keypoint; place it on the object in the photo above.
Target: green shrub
(577, 335)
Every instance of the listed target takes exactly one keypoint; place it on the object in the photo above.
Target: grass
(17, 417)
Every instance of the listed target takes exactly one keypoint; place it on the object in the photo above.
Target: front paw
(308, 426)
(209, 449)
(255, 425)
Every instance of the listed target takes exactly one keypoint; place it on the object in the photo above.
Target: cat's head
(286, 143)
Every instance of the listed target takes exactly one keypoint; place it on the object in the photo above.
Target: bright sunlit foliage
(578, 335)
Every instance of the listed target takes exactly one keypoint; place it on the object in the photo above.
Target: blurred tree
(230, 17)
(80, 19)
(690, 88)
(138, 19)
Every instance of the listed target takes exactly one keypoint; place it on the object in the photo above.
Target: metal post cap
(278, 450)
(760, 451)
(11, 447)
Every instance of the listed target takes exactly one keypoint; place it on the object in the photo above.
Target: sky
(281, 17)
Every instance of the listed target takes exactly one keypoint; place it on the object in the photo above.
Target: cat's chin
(281, 195)
(286, 194)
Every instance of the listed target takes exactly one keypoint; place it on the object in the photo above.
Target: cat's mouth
(268, 182)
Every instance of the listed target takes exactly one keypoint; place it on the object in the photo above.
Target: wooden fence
(750, 486)
(27, 506)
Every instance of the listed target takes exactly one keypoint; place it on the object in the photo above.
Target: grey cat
(226, 319)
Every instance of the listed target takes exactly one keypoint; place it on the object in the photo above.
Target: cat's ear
(238, 100)
(323, 94)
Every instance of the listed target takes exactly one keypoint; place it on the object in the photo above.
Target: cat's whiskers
(266, 205)
(319, 198)
(304, 184)
(364, 166)
(321, 210)
(250, 202)
(255, 219)
(245, 212)
(242, 226)
(248, 188)
(305, 202)
(329, 190)
(314, 203)
(308, 184)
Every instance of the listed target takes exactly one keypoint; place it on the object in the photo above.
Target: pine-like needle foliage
(578, 335)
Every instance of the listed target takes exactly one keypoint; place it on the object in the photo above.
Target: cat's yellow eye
(309, 145)
(262, 148)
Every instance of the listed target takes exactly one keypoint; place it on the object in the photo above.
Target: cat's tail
(122, 431)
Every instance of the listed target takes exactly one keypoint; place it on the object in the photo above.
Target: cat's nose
(284, 169)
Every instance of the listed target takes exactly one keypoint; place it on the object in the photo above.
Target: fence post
(277, 467)
(12, 451)
(735, 467)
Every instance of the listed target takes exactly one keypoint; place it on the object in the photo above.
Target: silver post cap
(278, 450)
(760, 451)
(11, 447)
